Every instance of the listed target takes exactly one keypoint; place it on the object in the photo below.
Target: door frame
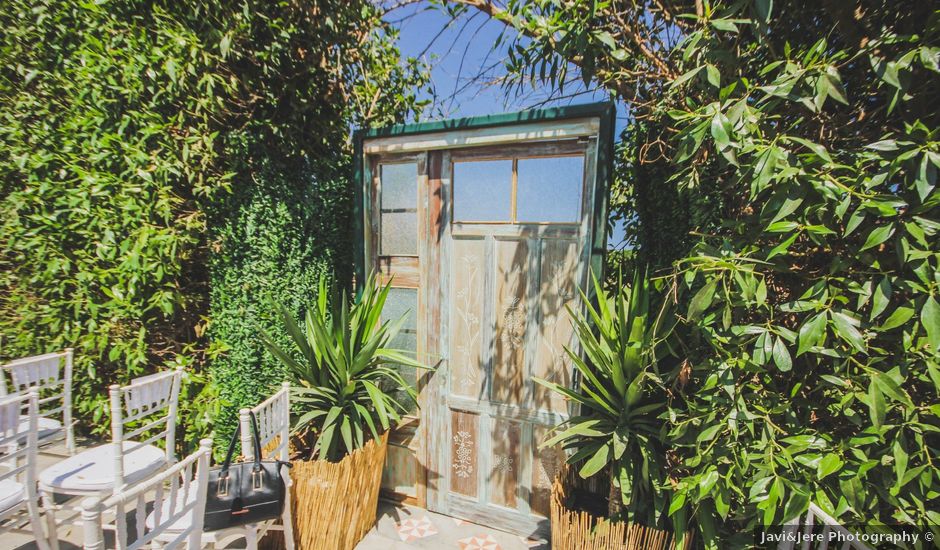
(433, 141)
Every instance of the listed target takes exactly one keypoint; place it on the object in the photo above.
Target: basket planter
(334, 504)
(574, 529)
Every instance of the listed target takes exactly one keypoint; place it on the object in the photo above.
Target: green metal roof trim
(486, 121)
(605, 111)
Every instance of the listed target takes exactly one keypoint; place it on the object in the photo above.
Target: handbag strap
(228, 455)
(256, 441)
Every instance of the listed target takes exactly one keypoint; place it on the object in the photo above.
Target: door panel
(511, 304)
(558, 291)
(465, 442)
(399, 187)
(547, 463)
(466, 343)
(503, 479)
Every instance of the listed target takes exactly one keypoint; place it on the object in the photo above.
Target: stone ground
(397, 527)
(400, 527)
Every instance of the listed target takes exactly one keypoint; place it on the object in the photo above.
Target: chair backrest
(273, 416)
(179, 507)
(51, 375)
(155, 395)
(19, 459)
(825, 527)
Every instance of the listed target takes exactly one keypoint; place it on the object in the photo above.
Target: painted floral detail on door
(463, 465)
(513, 334)
(502, 463)
(468, 378)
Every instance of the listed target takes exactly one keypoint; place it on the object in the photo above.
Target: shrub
(152, 150)
(793, 147)
(108, 150)
(618, 431)
(347, 386)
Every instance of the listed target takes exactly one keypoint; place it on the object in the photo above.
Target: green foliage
(346, 369)
(289, 217)
(620, 399)
(152, 151)
(107, 151)
(797, 144)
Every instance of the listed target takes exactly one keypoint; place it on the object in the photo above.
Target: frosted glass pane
(399, 302)
(399, 186)
(399, 233)
(407, 341)
(482, 190)
(549, 189)
(404, 301)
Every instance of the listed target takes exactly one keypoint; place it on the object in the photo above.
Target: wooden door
(398, 248)
(515, 226)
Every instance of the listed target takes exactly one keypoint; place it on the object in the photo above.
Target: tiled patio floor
(401, 527)
(397, 527)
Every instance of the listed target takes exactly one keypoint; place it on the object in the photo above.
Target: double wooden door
(500, 253)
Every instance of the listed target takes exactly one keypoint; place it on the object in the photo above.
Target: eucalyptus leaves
(780, 174)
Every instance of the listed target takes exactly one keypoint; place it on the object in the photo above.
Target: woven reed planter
(334, 503)
(580, 530)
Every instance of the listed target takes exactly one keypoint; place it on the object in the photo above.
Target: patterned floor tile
(415, 528)
(479, 542)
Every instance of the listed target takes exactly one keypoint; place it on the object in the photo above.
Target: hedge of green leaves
(157, 153)
(108, 150)
(289, 217)
(782, 166)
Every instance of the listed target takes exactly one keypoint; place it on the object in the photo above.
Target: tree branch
(606, 76)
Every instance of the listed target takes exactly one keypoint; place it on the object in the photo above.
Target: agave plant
(344, 370)
(617, 427)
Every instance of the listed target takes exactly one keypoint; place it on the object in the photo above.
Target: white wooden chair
(51, 374)
(273, 417)
(18, 469)
(148, 403)
(179, 497)
(815, 516)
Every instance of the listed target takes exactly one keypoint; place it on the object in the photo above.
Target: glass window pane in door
(482, 190)
(399, 302)
(399, 209)
(399, 186)
(549, 189)
(399, 234)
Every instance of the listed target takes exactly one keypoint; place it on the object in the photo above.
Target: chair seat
(181, 524)
(222, 536)
(11, 494)
(48, 427)
(92, 471)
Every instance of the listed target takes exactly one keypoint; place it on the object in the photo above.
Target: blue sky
(467, 64)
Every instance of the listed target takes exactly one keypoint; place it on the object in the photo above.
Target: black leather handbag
(244, 492)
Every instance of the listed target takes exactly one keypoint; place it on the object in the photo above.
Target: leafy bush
(152, 150)
(345, 369)
(793, 147)
(108, 149)
(289, 218)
